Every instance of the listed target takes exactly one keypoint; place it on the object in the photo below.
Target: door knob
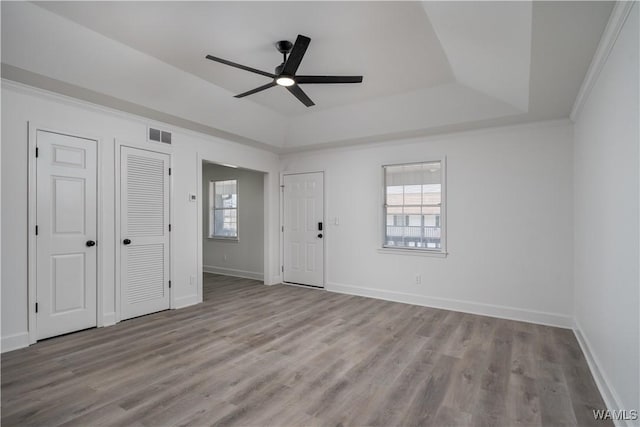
(126, 241)
(91, 243)
(320, 235)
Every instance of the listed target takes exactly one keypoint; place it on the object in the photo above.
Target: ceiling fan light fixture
(285, 74)
(285, 81)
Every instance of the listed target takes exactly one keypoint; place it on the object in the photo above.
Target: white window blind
(414, 206)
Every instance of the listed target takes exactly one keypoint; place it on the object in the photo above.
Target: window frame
(442, 251)
(212, 208)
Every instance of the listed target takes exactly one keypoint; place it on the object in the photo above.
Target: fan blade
(258, 89)
(328, 79)
(295, 57)
(299, 93)
(242, 67)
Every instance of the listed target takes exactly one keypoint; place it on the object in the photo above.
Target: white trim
(109, 319)
(275, 280)
(199, 226)
(282, 151)
(618, 16)
(414, 252)
(491, 310)
(15, 341)
(147, 121)
(233, 272)
(200, 218)
(187, 301)
(609, 395)
(31, 237)
(330, 147)
(233, 239)
(267, 260)
(116, 223)
(442, 252)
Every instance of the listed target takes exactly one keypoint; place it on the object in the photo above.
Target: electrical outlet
(418, 279)
(224, 257)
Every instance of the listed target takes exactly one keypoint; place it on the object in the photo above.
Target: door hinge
(36, 307)
(36, 230)
(169, 227)
(283, 228)
(37, 151)
(169, 171)
(169, 284)
(282, 269)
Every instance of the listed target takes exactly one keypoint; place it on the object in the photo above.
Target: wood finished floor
(290, 356)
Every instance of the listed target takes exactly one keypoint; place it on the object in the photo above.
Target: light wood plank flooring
(290, 356)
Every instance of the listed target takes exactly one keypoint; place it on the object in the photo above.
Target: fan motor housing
(284, 46)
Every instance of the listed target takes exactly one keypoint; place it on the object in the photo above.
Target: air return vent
(158, 135)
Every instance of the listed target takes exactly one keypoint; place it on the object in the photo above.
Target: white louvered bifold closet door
(144, 224)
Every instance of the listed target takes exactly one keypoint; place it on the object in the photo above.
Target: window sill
(414, 252)
(225, 239)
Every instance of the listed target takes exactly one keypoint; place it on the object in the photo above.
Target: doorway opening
(233, 225)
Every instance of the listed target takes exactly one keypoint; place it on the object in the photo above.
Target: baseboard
(186, 301)
(15, 341)
(610, 397)
(275, 280)
(502, 312)
(109, 319)
(233, 272)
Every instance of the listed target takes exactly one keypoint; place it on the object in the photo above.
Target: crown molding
(45, 87)
(488, 127)
(610, 34)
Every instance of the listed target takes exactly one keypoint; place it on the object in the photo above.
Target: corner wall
(509, 222)
(607, 254)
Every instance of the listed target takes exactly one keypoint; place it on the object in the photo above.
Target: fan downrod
(284, 47)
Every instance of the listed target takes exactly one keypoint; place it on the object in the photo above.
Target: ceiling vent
(157, 135)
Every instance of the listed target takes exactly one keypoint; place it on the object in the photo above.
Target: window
(414, 206)
(223, 209)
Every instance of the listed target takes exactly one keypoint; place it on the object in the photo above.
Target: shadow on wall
(233, 221)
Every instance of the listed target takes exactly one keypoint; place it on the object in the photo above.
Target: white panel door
(144, 232)
(66, 212)
(304, 229)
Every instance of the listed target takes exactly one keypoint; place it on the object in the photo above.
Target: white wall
(509, 220)
(22, 104)
(607, 278)
(244, 257)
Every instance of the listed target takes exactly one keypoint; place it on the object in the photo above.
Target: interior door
(66, 212)
(304, 229)
(144, 232)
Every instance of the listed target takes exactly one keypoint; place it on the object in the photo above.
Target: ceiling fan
(285, 73)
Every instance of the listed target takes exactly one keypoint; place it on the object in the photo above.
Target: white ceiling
(378, 39)
(426, 65)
